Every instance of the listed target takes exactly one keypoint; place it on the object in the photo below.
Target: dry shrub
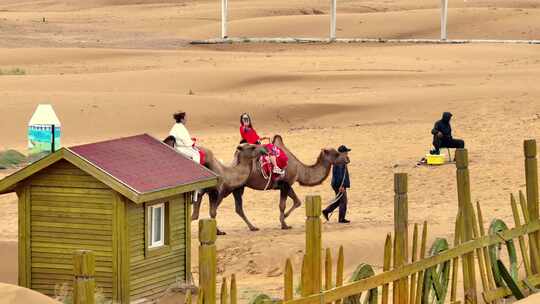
(64, 294)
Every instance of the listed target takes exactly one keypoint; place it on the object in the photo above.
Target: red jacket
(250, 135)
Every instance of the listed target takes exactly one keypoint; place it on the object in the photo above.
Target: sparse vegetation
(63, 294)
(11, 158)
(13, 71)
(262, 298)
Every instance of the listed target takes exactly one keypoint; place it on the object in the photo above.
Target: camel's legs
(215, 200)
(239, 206)
(296, 201)
(197, 207)
(283, 193)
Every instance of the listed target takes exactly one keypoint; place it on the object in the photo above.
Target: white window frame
(154, 243)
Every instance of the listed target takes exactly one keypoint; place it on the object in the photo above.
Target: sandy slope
(114, 68)
(11, 294)
(529, 300)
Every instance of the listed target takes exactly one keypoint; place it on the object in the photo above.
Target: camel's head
(335, 157)
(278, 140)
(249, 152)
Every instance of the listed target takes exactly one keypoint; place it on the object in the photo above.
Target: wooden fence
(417, 277)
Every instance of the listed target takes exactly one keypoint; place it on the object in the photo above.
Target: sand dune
(11, 294)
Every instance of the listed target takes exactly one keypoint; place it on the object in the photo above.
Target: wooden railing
(416, 278)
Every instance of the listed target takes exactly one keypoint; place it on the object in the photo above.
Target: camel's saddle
(266, 166)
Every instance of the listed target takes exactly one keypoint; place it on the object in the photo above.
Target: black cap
(343, 148)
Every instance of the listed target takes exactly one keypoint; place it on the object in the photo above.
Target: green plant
(14, 71)
(11, 158)
(261, 298)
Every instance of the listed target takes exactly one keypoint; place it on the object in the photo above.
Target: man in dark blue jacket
(442, 135)
(340, 184)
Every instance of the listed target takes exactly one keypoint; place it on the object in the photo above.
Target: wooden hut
(128, 200)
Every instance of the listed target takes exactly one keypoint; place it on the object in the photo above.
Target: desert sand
(115, 68)
(530, 300)
(12, 294)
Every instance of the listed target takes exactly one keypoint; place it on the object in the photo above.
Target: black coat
(444, 127)
(338, 173)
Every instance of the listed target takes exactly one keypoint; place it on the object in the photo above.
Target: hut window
(157, 225)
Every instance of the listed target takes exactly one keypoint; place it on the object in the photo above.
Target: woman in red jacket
(250, 136)
(248, 133)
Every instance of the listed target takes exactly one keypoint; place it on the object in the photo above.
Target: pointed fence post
(328, 270)
(305, 277)
(207, 260)
(414, 258)
(522, 246)
(234, 291)
(420, 280)
(288, 281)
(386, 266)
(401, 234)
(531, 177)
(84, 285)
(339, 270)
(466, 220)
(224, 296)
(314, 243)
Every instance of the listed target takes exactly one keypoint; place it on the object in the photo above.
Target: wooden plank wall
(69, 210)
(151, 275)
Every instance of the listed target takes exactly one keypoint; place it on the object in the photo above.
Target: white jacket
(184, 143)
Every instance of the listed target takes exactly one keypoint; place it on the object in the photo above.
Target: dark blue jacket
(338, 172)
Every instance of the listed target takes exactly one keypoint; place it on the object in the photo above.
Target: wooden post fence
(234, 290)
(207, 260)
(84, 285)
(531, 177)
(387, 261)
(288, 286)
(313, 245)
(466, 219)
(470, 240)
(224, 295)
(328, 270)
(339, 270)
(420, 279)
(401, 235)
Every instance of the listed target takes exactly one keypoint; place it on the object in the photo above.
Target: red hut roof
(140, 167)
(143, 163)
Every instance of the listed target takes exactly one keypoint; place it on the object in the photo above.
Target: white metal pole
(444, 19)
(332, 19)
(224, 11)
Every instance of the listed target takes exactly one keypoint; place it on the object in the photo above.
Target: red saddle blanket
(202, 159)
(266, 164)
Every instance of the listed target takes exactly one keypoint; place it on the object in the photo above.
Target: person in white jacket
(184, 142)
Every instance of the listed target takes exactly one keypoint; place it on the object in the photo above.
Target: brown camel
(296, 171)
(231, 177)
